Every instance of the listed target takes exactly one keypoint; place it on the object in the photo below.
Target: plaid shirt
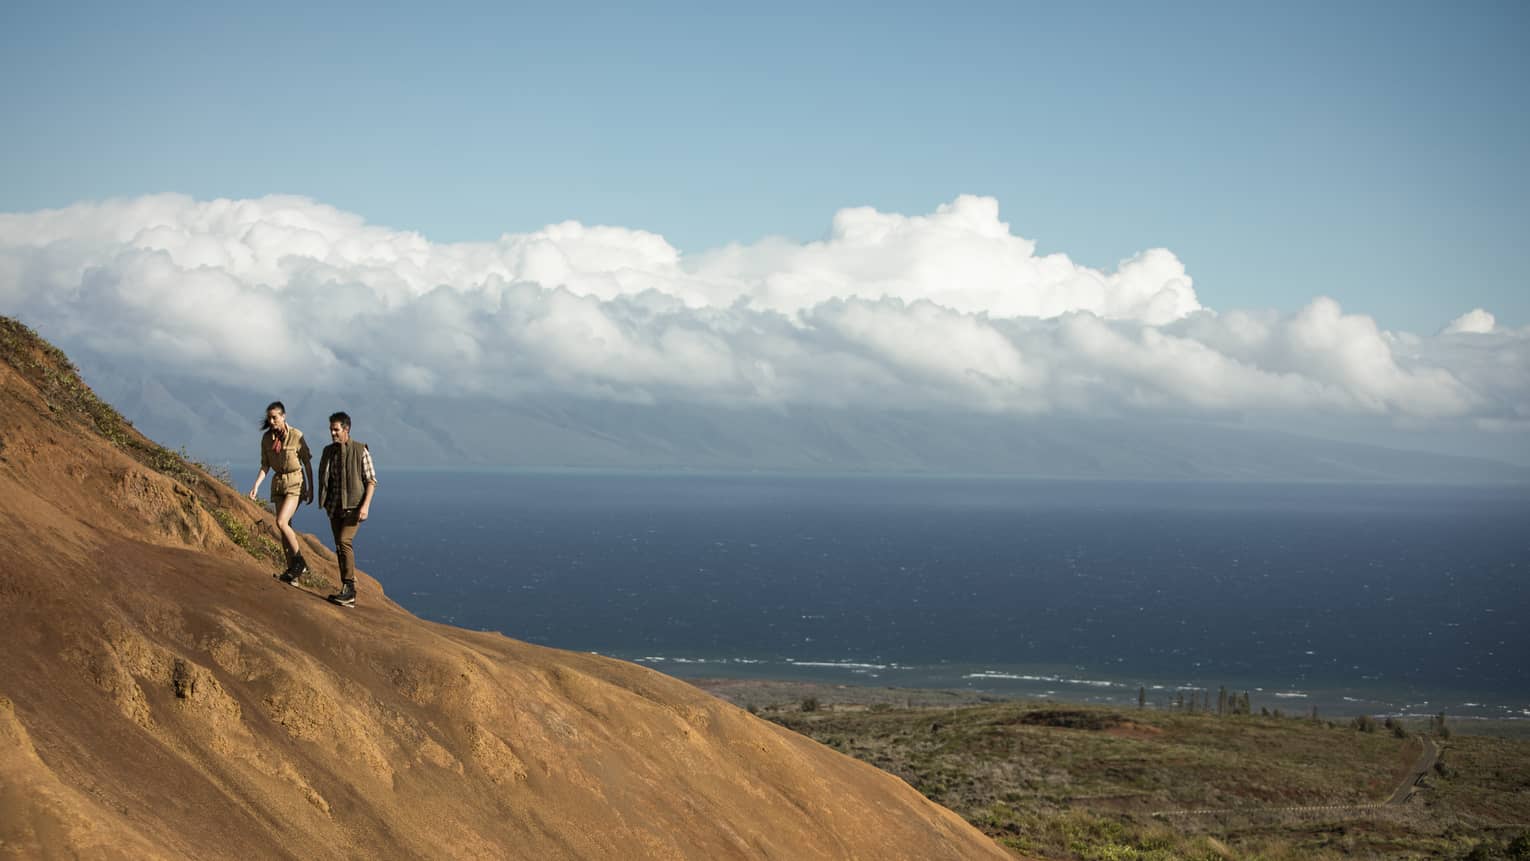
(368, 471)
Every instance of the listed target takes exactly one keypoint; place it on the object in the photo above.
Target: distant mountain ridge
(217, 423)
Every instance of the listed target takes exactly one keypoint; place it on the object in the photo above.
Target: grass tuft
(69, 398)
(260, 546)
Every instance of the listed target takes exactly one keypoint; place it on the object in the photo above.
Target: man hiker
(346, 482)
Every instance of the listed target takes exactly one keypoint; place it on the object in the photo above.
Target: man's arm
(366, 500)
(368, 475)
(323, 478)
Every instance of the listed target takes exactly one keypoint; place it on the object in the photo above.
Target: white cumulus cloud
(947, 310)
(1475, 322)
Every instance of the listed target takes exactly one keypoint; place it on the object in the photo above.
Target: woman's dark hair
(265, 419)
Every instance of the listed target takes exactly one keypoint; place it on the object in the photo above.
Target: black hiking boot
(346, 597)
(297, 569)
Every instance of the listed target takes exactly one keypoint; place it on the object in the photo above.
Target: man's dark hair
(343, 418)
(265, 417)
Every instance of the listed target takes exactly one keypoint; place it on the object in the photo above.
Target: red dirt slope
(161, 696)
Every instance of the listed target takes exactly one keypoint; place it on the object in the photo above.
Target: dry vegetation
(1079, 782)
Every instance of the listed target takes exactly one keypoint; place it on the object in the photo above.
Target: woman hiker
(284, 453)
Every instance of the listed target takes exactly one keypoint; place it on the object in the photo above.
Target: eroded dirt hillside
(161, 695)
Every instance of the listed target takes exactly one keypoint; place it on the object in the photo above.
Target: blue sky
(1372, 152)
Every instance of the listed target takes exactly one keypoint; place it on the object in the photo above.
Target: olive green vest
(347, 459)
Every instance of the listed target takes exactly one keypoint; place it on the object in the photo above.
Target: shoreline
(974, 684)
(785, 696)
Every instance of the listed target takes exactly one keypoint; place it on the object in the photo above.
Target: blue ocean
(1354, 598)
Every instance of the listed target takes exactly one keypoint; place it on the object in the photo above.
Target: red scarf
(277, 437)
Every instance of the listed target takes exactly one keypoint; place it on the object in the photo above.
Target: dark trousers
(344, 525)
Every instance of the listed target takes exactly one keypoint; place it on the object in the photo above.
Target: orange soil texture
(162, 696)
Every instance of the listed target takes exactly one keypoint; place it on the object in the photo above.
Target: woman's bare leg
(284, 514)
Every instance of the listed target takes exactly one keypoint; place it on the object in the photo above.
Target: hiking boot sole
(343, 602)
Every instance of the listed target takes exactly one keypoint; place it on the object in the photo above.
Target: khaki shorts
(285, 484)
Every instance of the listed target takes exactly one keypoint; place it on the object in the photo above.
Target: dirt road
(1409, 785)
